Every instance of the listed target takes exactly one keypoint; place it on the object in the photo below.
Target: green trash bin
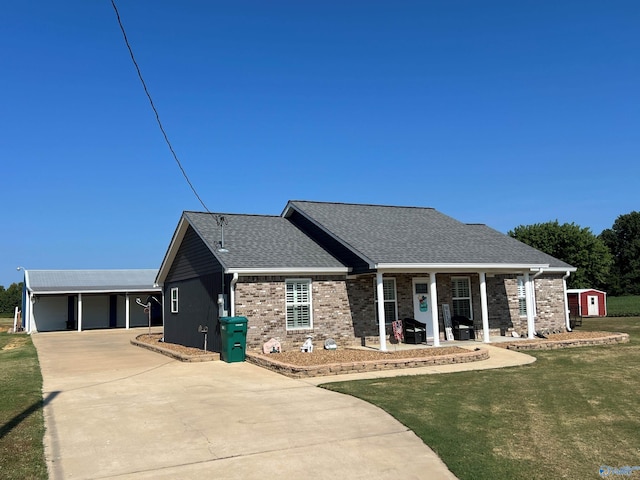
(233, 331)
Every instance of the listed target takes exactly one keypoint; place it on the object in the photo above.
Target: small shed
(587, 302)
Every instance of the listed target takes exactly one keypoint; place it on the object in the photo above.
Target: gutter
(232, 294)
(566, 307)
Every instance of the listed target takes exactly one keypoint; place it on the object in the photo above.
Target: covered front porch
(496, 302)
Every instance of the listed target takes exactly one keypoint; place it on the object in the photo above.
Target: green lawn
(21, 420)
(564, 416)
(627, 306)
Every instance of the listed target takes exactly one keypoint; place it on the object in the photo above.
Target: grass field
(21, 420)
(564, 416)
(627, 306)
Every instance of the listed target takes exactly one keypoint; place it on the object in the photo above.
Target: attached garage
(587, 302)
(79, 300)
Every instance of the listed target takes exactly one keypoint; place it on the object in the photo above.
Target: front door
(422, 307)
(593, 309)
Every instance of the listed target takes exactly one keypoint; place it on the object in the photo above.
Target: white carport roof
(90, 281)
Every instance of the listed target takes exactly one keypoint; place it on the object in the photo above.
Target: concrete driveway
(113, 410)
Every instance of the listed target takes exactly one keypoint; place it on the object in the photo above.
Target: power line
(153, 107)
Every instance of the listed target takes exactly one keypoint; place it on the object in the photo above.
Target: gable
(192, 259)
(329, 243)
(253, 244)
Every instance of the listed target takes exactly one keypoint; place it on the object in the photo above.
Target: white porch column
(382, 331)
(567, 320)
(529, 301)
(433, 293)
(79, 312)
(127, 311)
(28, 322)
(484, 308)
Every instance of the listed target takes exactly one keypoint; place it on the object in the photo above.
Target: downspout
(232, 294)
(566, 307)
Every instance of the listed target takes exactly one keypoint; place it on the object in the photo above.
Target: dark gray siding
(193, 259)
(198, 276)
(197, 305)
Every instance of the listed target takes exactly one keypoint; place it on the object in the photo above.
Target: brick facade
(550, 303)
(262, 301)
(344, 308)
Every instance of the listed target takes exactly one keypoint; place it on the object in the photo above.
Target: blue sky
(498, 112)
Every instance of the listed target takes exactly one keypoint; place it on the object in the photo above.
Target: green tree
(572, 244)
(10, 298)
(623, 240)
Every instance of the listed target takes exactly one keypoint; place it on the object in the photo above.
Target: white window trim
(524, 293)
(469, 298)
(309, 302)
(174, 300)
(395, 298)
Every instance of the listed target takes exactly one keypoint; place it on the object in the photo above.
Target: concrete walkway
(113, 410)
(498, 358)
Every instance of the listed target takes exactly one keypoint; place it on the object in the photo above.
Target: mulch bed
(173, 350)
(349, 360)
(346, 355)
(565, 340)
(323, 362)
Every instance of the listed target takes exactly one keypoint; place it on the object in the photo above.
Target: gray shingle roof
(69, 281)
(414, 235)
(261, 242)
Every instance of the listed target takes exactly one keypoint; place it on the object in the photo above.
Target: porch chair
(414, 331)
(463, 328)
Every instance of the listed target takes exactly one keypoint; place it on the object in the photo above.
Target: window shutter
(298, 304)
(522, 298)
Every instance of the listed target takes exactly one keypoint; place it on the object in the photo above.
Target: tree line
(609, 261)
(10, 298)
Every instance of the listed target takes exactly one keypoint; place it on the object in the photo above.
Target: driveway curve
(113, 410)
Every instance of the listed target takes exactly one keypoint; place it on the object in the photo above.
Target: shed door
(593, 307)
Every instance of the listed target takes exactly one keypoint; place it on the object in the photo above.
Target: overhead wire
(153, 107)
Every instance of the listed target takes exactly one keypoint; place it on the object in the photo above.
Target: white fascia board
(27, 283)
(584, 290)
(288, 271)
(96, 292)
(461, 267)
(560, 269)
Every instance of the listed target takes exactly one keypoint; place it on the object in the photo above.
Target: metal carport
(88, 299)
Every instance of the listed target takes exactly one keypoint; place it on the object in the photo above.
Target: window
(174, 300)
(522, 297)
(390, 302)
(298, 303)
(461, 296)
(422, 288)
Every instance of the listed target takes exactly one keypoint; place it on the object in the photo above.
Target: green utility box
(233, 331)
